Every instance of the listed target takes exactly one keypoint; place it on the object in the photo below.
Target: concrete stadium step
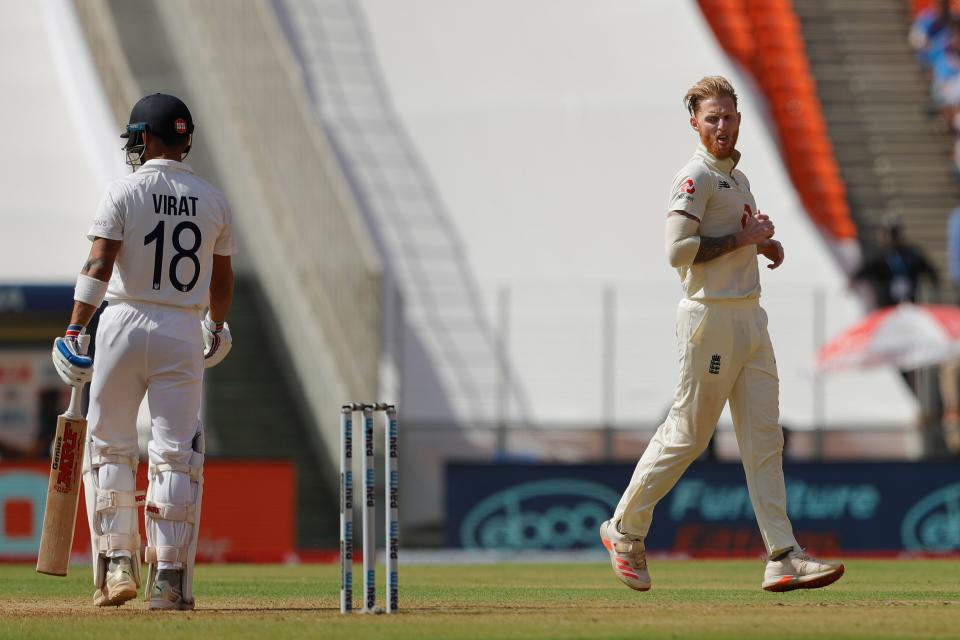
(934, 131)
(893, 156)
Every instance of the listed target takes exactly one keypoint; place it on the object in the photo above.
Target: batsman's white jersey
(171, 223)
(725, 355)
(149, 341)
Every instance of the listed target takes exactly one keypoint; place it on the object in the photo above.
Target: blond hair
(708, 87)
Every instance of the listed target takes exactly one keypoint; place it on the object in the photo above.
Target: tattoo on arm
(103, 255)
(93, 264)
(711, 248)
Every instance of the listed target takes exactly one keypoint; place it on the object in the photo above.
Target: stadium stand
(935, 37)
(893, 158)
(844, 68)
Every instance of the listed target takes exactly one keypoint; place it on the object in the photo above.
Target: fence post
(819, 398)
(928, 393)
(608, 377)
(503, 369)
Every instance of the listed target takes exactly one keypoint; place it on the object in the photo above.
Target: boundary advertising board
(249, 512)
(858, 507)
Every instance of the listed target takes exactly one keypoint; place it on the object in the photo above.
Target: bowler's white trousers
(725, 354)
(157, 350)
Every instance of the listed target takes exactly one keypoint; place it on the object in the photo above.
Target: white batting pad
(109, 483)
(172, 512)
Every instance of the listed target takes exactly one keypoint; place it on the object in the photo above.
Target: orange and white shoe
(628, 557)
(799, 571)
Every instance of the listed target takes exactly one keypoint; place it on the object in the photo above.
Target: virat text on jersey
(164, 204)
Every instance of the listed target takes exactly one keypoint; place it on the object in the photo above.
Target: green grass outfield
(690, 599)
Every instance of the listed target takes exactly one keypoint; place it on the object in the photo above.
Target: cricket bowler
(160, 254)
(714, 235)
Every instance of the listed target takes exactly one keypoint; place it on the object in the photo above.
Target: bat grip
(74, 411)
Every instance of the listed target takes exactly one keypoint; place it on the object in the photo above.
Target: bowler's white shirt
(718, 195)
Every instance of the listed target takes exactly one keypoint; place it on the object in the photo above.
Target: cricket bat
(63, 490)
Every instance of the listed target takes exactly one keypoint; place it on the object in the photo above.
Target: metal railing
(606, 355)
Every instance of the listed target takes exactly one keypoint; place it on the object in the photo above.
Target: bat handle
(74, 411)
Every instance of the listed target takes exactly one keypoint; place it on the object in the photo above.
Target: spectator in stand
(944, 61)
(893, 274)
(929, 26)
(943, 58)
(945, 65)
(894, 271)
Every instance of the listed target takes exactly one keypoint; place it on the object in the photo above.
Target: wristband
(90, 290)
(212, 325)
(74, 330)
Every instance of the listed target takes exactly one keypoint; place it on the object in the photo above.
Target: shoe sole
(613, 563)
(789, 584)
(166, 605)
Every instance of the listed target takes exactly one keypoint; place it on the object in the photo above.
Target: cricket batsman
(161, 242)
(714, 235)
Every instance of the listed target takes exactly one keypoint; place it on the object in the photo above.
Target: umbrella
(907, 335)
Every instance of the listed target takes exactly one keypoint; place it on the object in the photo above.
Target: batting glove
(70, 357)
(217, 342)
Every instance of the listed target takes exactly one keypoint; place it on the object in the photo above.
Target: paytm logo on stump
(547, 514)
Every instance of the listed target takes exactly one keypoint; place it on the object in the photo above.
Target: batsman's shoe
(627, 555)
(799, 571)
(167, 593)
(119, 585)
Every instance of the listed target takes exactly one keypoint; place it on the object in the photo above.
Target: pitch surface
(690, 599)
